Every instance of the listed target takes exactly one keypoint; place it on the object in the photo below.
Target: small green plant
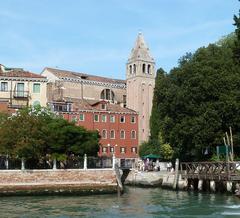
(215, 157)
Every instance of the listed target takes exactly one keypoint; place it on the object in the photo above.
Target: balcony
(21, 94)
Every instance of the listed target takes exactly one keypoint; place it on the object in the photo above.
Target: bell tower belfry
(140, 74)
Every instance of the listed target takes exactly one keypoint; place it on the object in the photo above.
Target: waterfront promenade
(60, 181)
(98, 179)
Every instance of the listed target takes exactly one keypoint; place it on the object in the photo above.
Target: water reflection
(136, 202)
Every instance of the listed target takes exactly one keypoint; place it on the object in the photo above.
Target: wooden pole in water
(227, 157)
(231, 138)
(227, 137)
(176, 177)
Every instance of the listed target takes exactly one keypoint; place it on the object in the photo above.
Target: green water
(136, 202)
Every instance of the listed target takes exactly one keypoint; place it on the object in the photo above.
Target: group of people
(148, 165)
(169, 166)
(152, 165)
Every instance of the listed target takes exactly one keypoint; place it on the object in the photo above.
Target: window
(112, 134)
(96, 118)
(133, 119)
(130, 69)
(112, 118)
(122, 134)
(134, 69)
(133, 134)
(134, 150)
(62, 107)
(104, 133)
(74, 118)
(122, 150)
(143, 68)
(122, 119)
(103, 106)
(4, 86)
(104, 118)
(20, 90)
(36, 87)
(81, 117)
(149, 69)
(124, 98)
(112, 149)
(104, 149)
(107, 94)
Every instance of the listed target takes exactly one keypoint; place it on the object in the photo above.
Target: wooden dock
(216, 171)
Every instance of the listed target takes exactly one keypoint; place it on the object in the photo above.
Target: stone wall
(75, 181)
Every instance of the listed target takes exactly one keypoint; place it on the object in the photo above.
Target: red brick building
(118, 126)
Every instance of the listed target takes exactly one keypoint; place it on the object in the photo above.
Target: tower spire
(140, 50)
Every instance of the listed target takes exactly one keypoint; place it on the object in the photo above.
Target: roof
(77, 75)
(112, 107)
(140, 50)
(83, 104)
(18, 72)
(152, 156)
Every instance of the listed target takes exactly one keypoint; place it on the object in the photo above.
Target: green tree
(166, 150)
(64, 138)
(21, 134)
(150, 147)
(198, 101)
(32, 133)
(237, 41)
(154, 119)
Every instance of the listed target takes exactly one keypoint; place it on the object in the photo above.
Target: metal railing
(99, 162)
(21, 94)
(75, 162)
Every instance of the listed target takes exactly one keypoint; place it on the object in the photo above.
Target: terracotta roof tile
(79, 104)
(76, 75)
(20, 73)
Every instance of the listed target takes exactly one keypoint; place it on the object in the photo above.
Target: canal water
(136, 202)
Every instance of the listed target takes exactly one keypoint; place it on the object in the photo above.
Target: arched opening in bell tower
(149, 69)
(143, 68)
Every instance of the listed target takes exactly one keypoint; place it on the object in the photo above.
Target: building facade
(117, 126)
(135, 93)
(19, 88)
(68, 85)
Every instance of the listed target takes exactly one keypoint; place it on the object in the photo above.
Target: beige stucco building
(19, 88)
(67, 88)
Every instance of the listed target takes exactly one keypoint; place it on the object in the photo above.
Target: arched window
(149, 69)
(122, 134)
(143, 68)
(133, 134)
(130, 69)
(134, 69)
(107, 94)
(112, 134)
(104, 133)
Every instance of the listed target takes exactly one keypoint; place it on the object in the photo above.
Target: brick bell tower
(140, 74)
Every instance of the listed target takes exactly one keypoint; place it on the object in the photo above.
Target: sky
(96, 36)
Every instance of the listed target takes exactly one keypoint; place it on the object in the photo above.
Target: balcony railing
(21, 94)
